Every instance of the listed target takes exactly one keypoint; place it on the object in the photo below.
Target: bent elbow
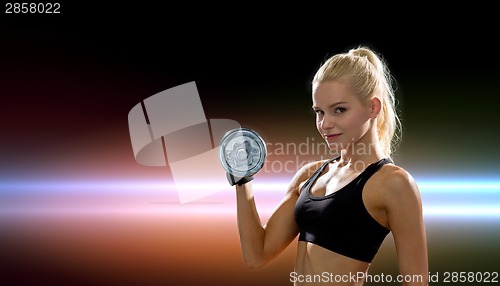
(255, 263)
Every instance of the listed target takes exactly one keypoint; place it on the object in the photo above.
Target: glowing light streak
(441, 197)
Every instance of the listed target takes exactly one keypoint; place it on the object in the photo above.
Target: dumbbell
(242, 153)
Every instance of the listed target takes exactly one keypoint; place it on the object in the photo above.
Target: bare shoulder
(397, 183)
(303, 174)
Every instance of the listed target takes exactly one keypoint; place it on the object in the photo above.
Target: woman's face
(341, 118)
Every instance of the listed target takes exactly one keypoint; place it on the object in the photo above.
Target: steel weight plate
(242, 152)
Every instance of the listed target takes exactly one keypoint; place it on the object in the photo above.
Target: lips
(332, 136)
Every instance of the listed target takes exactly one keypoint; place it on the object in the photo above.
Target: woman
(343, 208)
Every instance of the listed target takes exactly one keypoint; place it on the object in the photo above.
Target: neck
(361, 154)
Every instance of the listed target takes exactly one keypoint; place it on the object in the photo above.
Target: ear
(375, 107)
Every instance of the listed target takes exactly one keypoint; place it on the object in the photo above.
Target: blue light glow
(442, 198)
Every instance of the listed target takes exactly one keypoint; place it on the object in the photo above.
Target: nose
(327, 122)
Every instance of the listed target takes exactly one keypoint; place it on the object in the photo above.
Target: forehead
(332, 91)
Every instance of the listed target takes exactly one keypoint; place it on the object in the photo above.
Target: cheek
(360, 125)
(356, 124)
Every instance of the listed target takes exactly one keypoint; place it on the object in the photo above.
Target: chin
(333, 146)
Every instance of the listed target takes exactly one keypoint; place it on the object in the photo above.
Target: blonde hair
(369, 76)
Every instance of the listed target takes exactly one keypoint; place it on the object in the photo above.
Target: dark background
(77, 73)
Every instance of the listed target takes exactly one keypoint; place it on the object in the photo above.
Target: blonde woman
(342, 208)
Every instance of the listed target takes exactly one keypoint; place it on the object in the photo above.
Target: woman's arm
(405, 219)
(261, 243)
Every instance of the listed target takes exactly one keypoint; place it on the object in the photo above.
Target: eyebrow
(333, 105)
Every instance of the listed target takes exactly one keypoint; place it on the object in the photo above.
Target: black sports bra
(339, 221)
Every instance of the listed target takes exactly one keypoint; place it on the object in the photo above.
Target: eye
(340, 110)
(318, 112)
